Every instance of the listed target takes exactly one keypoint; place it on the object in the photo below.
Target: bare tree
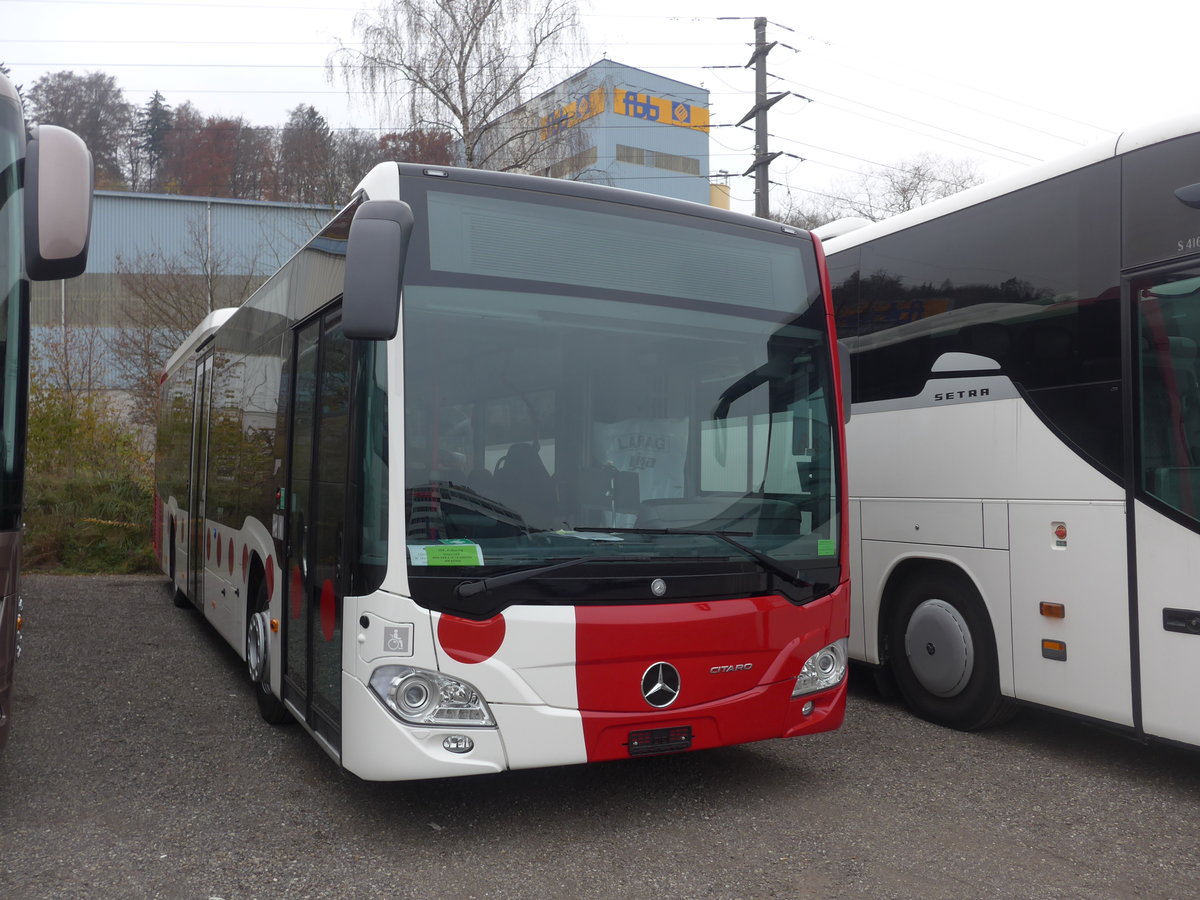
(884, 191)
(169, 295)
(459, 65)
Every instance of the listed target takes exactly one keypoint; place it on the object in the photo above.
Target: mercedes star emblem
(660, 684)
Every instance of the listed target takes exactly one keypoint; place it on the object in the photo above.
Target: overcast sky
(1005, 85)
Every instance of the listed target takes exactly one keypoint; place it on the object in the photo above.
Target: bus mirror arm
(375, 254)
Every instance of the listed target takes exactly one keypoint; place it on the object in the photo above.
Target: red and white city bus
(502, 472)
(45, 219)
(1025, 447)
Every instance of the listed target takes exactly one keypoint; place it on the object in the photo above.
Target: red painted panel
(471, 642)
(737, 661)
(328, 610)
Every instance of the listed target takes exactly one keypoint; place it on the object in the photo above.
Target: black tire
(178, 597)
(270, 707)
(942, 653)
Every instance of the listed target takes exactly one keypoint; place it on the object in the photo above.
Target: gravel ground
(138, 767)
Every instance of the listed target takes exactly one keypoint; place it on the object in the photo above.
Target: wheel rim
(256, 648)
(939, 647)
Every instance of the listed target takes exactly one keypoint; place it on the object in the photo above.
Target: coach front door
(316, 507)
(1166, 490)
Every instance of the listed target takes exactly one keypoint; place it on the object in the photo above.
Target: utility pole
(762, 159)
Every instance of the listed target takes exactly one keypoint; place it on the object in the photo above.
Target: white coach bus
(1024, 452)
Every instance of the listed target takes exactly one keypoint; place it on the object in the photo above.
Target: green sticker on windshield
(447, 553)
(826, 548)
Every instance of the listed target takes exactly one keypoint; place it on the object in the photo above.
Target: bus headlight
(423, 697)
(824, 669)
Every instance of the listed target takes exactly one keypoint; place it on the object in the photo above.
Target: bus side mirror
(58, 204)
(375, 253)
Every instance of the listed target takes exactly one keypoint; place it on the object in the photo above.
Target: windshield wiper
(473, 588)
(792, 576)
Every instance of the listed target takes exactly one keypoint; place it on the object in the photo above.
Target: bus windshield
(585, 382)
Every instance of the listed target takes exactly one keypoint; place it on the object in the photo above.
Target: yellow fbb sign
(659, 109)
(571, 114)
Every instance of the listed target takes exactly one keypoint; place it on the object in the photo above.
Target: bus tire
(942, 652)
(178, 597)
(258, 666)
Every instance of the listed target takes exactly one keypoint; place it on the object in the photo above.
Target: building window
(655, 159)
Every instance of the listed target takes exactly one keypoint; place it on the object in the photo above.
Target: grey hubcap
(939, 648)
(256, 648)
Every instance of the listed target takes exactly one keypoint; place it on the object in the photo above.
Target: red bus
(502, 472)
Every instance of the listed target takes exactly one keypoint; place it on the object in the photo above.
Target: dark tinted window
(1157, 226)
(1029, 280)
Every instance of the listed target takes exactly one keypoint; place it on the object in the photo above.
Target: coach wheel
(258, 662)
(943, 653)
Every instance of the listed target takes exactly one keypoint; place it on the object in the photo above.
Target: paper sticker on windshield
(446, 553)
(826, 548)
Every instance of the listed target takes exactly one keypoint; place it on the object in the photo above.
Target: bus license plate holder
(660, 740)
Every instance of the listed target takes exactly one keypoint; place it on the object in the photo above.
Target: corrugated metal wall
(153, 234)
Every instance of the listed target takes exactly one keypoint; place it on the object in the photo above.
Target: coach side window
(1027, 279)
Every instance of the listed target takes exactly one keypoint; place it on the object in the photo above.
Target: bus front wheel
(942, 652)
(258, 642)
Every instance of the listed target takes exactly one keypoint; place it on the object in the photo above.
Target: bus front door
(198, 540)
(319, 441)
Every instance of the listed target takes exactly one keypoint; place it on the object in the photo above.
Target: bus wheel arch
(939, 645)
(258, 641)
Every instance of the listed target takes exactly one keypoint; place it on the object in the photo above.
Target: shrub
(88, 485)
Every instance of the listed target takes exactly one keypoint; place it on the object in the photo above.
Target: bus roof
(202, 332)
(841, 234)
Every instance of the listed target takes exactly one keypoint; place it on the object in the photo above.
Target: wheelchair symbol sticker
(397, 640)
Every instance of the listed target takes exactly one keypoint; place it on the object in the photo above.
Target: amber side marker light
(275, 626)
(1055, 650)
(1053, 610)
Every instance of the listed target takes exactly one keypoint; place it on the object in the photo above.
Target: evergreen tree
(155, 120)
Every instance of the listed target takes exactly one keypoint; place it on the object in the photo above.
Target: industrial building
(617, 125)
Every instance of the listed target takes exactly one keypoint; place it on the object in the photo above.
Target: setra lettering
(962, 395)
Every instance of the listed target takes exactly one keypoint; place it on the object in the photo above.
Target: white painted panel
(995, 526)
(1168, 577)
(955, 523)
(858, 640)
(539, 736)
(535, 663)
(991, 450)
(1088, 574)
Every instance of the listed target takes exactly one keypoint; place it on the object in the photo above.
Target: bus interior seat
(520, 480)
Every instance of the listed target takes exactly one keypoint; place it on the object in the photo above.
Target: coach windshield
(622, 394)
